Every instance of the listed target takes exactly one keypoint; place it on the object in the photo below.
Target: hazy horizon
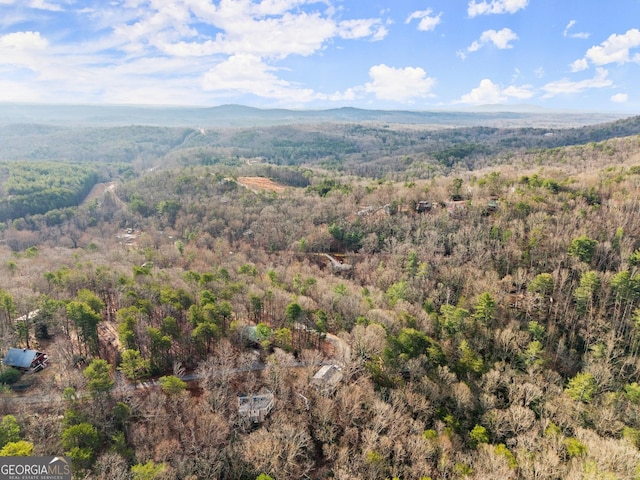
(236, 115)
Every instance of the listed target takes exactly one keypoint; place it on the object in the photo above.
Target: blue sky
(388, 54)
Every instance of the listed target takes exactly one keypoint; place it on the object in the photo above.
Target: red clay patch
(261, 183)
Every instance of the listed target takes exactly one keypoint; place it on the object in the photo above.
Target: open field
(261, 183)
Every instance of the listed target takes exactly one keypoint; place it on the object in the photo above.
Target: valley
(474, 289)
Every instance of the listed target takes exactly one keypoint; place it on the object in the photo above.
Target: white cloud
(347, 96)
(500, 39)
(579, 65)
(489, 93)
(44, 5)
(428, 22)
(380, 33)
(271, 29)
(149, 47)
(521, 92)
(23, 41)
(248, 74)
(495, 7)
(620, 98)
(23, 50)
(193, 51)
(399, 84)
(243, 73)
(36, 4)
(155, 28)
(362, 28)
(615, 49)
(271, 7)
(486, 92)
(568, 34)
(566, 86)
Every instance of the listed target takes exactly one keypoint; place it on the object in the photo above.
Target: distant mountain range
(236, 116)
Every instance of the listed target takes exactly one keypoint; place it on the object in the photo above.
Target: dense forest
(372, 149)
(39, 188)
(476, 290)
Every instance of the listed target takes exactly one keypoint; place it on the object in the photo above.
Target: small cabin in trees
(256, 407)
(25, 359)
(492, 206)
(327, 376)
(423, 206)
(337, 265)
(29, 316)
(109, 345)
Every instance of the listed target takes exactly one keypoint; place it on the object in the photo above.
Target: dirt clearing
(261, 183)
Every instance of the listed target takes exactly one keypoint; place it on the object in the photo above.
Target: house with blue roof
(25, 359)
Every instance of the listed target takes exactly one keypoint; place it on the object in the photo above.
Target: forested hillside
(44, 188)
(477, 290)
(364, 149)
